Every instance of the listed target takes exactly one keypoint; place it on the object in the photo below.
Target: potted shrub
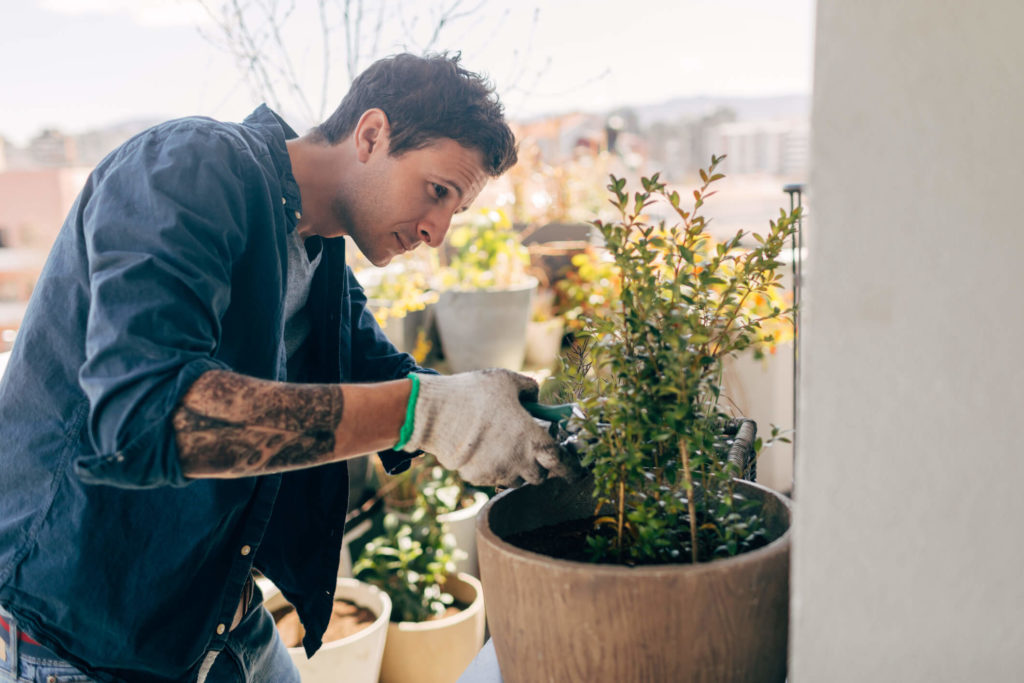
(486, 295)
(437, 618)
(663, 564)
(353, 644)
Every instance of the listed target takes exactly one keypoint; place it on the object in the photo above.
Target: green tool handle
(559, 413)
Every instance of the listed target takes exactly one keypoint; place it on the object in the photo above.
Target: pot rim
(383, 617)
(778, 546)
(465, 615)
(530, 282)
(479, 500)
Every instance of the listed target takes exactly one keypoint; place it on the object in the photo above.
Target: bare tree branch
(448, 16)
(325, 49)
(258, 34)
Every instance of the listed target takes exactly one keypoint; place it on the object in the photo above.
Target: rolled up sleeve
(377, 359)
(163, 228)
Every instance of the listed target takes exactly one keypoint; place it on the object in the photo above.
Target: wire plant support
(796, 193)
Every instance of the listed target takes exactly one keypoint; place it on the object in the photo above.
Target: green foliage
(652, 399)
(413, 556)
(589, 289)
(487, 253)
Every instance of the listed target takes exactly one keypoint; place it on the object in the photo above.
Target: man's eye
(440, 191)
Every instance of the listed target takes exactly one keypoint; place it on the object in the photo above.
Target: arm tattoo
(232, 425)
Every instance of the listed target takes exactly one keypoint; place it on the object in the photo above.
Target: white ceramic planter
(484, 328)
(354, 659)
(462, 525)
(437, 651)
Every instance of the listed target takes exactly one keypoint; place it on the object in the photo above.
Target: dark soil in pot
(347, 618)
(564, 541)
(568, 540)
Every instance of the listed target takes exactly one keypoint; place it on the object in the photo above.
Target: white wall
(909, 531)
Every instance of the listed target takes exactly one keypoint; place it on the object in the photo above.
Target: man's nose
(433, 227)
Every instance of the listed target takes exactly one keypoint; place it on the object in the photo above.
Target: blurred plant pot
(559, 620)
(544, 342)
(553, 245)
(404, 332)
(356, 658)
(439, 650)
(484, 328)
(462, 525)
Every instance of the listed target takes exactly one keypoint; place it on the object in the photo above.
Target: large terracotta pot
(437, 651)
(557, 620)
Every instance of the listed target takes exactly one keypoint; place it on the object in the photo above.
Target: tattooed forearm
(230, 425)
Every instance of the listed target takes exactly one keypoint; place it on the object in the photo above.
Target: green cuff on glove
(410, 412)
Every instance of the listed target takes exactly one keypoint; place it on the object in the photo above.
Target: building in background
(774, 147)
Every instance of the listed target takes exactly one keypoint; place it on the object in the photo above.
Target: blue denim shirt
(172, 262)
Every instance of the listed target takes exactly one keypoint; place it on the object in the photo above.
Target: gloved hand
(473, 423)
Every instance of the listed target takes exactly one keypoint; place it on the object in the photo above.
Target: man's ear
(371, 134)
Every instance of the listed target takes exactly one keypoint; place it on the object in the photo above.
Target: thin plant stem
(622, 510)
(691, 504)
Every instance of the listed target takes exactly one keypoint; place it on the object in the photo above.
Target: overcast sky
(79, 64)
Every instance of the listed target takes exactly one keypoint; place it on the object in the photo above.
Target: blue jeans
(253, 653)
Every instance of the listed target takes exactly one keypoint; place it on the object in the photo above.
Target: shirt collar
(276, 131)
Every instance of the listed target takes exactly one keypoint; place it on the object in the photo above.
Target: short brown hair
(427, 98)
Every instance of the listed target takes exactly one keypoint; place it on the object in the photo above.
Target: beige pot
(437, 651)
(354, 659)
(554, 620)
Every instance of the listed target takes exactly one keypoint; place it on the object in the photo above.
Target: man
(197, 363)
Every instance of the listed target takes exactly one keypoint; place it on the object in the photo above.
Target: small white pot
(437, 651)
(354, 659)
(462, 525)
(544, 342)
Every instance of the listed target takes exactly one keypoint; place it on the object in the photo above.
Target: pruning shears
(562, 428)
(558, 414)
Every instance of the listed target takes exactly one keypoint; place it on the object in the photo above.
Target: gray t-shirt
(303, 258)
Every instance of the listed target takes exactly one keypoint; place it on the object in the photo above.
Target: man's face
(399, 202)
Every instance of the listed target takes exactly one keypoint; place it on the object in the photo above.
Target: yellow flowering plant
(486, 252)
(399, 294)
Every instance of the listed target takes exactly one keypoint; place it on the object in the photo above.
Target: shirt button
(246, 550)
(284, 200)
(220, 629)
(298, 215)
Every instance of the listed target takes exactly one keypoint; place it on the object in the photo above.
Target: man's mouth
(403, 244)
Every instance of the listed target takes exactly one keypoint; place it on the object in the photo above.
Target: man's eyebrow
(454, 184)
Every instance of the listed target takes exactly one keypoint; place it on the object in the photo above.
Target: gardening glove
(473, 423)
